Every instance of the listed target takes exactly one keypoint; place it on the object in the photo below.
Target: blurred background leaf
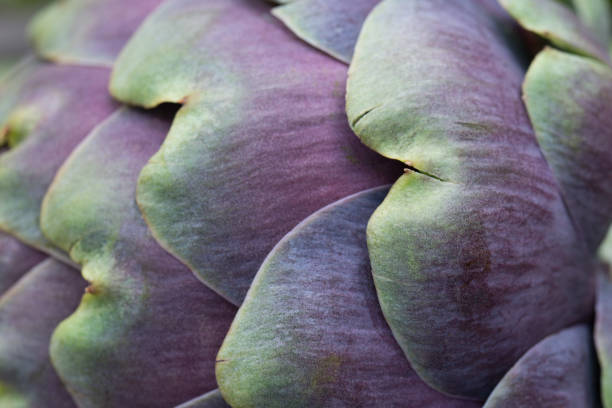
(14, 17)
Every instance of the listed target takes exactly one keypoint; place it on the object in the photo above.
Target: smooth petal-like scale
(261, 143)
(15, 260)
(474, 270)
(147, 331)
(212, 399)
(310, 332)
(89, 32)
(45, 112)
(569, 100)
(29, 312)
(603, 334)
(558, 372)
(597, 15)
(558, 24)
(451, 85)
(470, 278)
(332, 26)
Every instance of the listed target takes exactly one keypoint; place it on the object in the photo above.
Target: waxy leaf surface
(310, 332)
(15, 260)
(559, 371)
(29, 312)
(558, 24)
(147, 331)
(332, 26)
(597, 15)
(45, 112)
(569, 100)
(89, 32)
(473, 270)
(261, 142)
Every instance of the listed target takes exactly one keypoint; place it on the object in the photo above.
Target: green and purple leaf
(332, 26)
(260, 143)
(310, 332)
(558, 24)
(45, 112)
(559, 371)
(476, 259)
(569, 100)
(597, 15)
(89, 32)
(147, 331)
(29, 312)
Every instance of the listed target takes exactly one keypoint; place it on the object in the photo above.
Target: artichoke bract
(234, 203)
(29, 312)
(479, 261)
(260, 142)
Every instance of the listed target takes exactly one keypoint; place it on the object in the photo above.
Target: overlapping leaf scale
(45, 112)
(147, 331)
(569, 100)
(332, 26)
(558, 24)
(597, 16)
(87, 32)
(260, 143)
(477, 263)
(15, 260)
(559, 371)
(310, 332)
(29, 312)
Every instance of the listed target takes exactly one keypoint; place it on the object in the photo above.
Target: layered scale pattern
(389, 203)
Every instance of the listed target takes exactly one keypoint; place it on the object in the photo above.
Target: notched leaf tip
(410, 168)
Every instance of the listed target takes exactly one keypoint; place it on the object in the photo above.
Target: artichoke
(387, 203)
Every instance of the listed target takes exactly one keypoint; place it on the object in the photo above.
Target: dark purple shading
(16, 259)
(311, 333)
(477, 263)
(162, 327)
(29, 312)
(261, 142)
(558, 372)
(332, 26)
(54, 107)
(569, 100)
